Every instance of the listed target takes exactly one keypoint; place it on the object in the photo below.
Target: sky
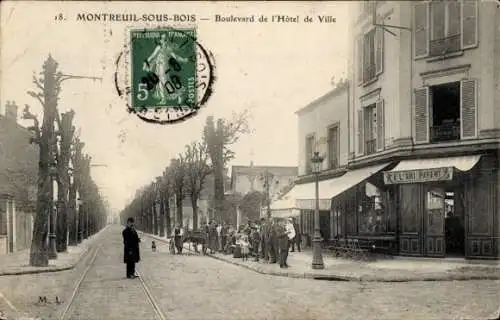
(273, 69)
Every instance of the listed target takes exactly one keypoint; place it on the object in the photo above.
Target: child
(153, 246)
(245, 247)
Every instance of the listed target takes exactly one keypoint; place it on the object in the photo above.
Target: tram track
(72, 301)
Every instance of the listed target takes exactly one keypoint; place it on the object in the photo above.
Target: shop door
(435, 244)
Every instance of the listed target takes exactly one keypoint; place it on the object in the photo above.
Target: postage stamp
(169, 74)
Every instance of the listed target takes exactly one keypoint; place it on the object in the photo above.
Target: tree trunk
(179, 211)
(168, 218)
(62, 212)
(72, 218)
(219, 190)
(162, 215)
(38, 253)
(194, 204)
(155, 218)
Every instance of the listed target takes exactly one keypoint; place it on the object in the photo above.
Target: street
(197, 287)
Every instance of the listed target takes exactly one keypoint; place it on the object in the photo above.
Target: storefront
(446, 206)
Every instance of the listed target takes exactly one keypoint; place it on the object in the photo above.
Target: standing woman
(131, 253)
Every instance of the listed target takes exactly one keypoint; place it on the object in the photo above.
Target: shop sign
(418, 176)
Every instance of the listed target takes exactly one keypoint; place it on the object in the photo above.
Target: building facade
(423, 131)
(426, 102)
(18, 178)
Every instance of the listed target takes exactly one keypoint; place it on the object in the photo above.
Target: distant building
(18, 181)
(245, 179)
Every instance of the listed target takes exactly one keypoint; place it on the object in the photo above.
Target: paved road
(194, 287)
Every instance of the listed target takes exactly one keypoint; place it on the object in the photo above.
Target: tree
(178, 167)
(73, 217)
(165, 194)
(251, 203)
(197, 170)
(48, 85)
(66, 132)
(219, 136)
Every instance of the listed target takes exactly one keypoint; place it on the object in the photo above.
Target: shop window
(373, 214)
(408, 202)
(350, 217)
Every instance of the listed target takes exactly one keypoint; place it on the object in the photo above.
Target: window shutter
(421, 21)
(380, 125)
(469, 24)
(359, 60)
(422, 115)
(361, 136)
(379, 51)
(468, 109)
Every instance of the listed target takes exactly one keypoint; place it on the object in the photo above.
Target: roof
(332, 93)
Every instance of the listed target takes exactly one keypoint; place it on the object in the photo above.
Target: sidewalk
(18, 263)
(386, 270)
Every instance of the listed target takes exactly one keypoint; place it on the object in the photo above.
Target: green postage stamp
(163, 69)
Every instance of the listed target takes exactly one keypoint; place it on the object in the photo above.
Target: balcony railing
(370, 146)
(445, 132)
(441, 47)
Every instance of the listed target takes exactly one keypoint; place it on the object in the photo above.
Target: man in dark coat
(272, 244)
(131, 253)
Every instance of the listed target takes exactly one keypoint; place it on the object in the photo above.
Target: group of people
(269, 239)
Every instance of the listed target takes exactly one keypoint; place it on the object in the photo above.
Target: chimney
(11, 111)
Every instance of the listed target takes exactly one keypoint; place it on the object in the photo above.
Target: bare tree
(178, 167)
(197, 170)
(165, 194)
(219, 136)
(48, 86)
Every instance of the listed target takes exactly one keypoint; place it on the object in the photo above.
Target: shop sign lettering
(418, 176)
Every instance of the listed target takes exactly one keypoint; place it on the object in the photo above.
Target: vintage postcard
(256, 160)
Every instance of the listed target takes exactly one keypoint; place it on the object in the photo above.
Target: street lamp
(317, 262)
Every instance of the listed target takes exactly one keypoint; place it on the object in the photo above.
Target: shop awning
(426, 170)
(328, 189)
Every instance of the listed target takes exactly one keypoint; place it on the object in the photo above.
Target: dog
(153, 246)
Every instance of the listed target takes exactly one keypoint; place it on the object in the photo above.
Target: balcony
(441, 47)
(445, 132)
(370, 146)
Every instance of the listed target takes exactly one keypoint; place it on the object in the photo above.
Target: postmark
(164, 74)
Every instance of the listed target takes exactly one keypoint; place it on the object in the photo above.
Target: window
(370, 55)
(309, 152)
(333, 147)
(446, 112)
(443, 27)
(370, 128)
(3, 217)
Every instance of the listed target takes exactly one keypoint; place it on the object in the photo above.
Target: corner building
(426, 106)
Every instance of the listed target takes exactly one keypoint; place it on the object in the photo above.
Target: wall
(316, 118)
(23, 230)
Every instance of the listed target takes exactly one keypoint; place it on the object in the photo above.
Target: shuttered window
(380, 125)
(468, 108)
(442, 27)
(370, 55)
(333, 146)
(422, 115)
(309, 152)
(360, 134)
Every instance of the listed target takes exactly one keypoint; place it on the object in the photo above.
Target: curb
(312, 276)
(66, 267)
